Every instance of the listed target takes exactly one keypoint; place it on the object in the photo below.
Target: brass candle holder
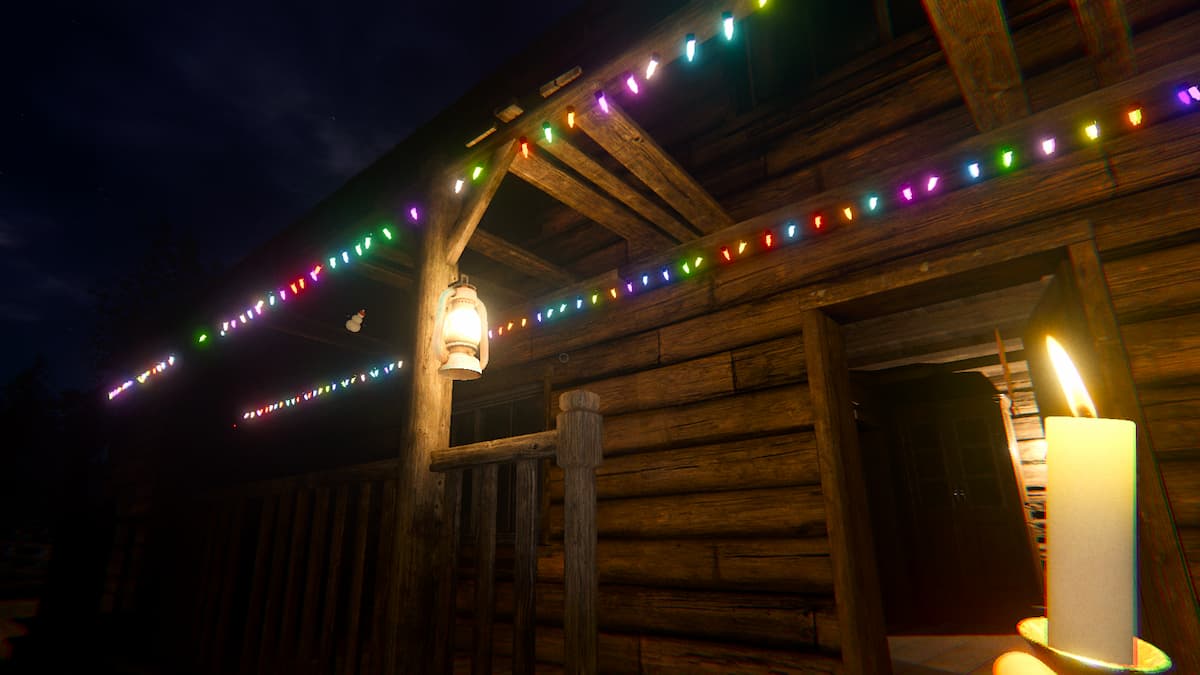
(1147, 657)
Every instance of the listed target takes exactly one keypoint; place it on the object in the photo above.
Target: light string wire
(331, 386)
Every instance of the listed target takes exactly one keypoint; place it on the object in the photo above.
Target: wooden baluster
(333, 580)
(580, 450)
(525, 568)
(286, 649)
(275, 578)
(225, 604)
(318, 550)
(484, 508)
(258, 584)
(358, 562)
(447, 610)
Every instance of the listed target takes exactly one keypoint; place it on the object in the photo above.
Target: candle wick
(1084, 410)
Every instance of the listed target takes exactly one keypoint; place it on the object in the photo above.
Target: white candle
(1091, 529)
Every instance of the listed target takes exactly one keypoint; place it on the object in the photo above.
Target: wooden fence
(291, 575)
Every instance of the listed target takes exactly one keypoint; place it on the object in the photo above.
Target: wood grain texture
(631, 145)
(769, 461)
(319, 549)
(772, 512)
(1107, 38)
(1163, 351)
(518, 259)
(478, 199)
(975, 40)
(525, 567)
(786, 565)
(1170, 617)
(358, 560)
(483, 508)
(1174, 426)
(275, 578)
(855, 576)
(1155, 284)
(296, 564)
(258, 584)
(590, 169)
(333, 580)
(537, 445)
(643, 238)
(667, 386)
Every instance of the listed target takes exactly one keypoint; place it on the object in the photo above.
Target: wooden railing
(577, 446)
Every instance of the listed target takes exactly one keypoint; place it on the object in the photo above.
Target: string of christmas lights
(143, 378)
(870, 204)
(332, 387)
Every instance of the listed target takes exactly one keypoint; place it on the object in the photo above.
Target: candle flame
(1077, 395)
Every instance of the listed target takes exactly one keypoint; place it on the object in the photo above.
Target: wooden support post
(1170, 616)
(975, 40)
(1106, 36)
(525, 567)
(848, 520)
(580, 450)
(484, 509)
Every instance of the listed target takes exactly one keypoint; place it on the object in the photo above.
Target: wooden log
(258, 584)
(358, 560)
(517, 258)
(478, 200)
(279, 559)
(319, 548)
(772, 461)
(1170, 617)
(1137, 221)
(667, 386)
(673, 655)
(1106, 36)
(855, 576)
(789, 565)
(296, 564)
(483, 510)
(780, 512)
(1164, 351)
(769, 364)
(975, 39)
(333, 580)
(1182, 480)
(589, 168)
(525, 567)
(631, 145)
(642, 237)
(537, 445)
(633, 353)
(1173, 426)
(1155, 284)
(723, 419)
(580, 451)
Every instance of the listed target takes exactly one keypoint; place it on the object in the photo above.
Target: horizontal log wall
(1154, 281)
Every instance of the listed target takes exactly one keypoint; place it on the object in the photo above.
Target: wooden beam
(848, 521)
(507, 253)
(587, 167)
(1170, 616)
(382, 274)
(478, 201)
(1107, 39)
(625, 140)
(975, 40)
(539, 173)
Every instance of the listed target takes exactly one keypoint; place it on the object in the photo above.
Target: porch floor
(943, 654)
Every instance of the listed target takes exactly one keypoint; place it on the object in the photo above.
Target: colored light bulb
(549, 312)
(613, 292)
(345, 257)
(271, 300)
(548, 132)
(666, 274)
(848, 213)
(652, 66)
(631, 83)
(1006, 158)
(358, 249)
(698, 261)
(791, 230)
(524, 147)
(1183, 97)
(687, 269)
(571, 116)
(973, 170)
(387, 233)
(907, 193)
(413, 214)
(629, 286)
(458, 185)
(1135, 117)
(689, 47)
(595, 298)
(203, 338)
(367, 241)
(1092, 131)
(578, 303)
(602, 101)
(872, 203)
(818, 221)
(1048, 146)
(539, 317)
(562, 307)
(1194, 92)
(768, 239)
(726, 254)
(645, 279)
(477, 172)
(727, 24)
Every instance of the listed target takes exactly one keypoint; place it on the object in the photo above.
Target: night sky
(225, 120)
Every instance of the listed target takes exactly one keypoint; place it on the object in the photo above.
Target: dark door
(969, 556)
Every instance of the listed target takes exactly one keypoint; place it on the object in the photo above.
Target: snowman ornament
(354, 323)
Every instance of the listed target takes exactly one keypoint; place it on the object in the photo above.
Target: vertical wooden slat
(210, 543)
(1171, 619)
(258, 584)
(224, 607)
(483, 506)
(224, 518)
(855, 577)
(317, 549)
(333, 579)
(580, 443)
(275, 578)
(383, 580)
(358, 561)
(525, 568)
(446, 618)
(295, 565)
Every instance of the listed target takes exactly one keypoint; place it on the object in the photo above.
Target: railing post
(580, 450)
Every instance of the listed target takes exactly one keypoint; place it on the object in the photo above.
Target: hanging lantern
(460, 332)
(354, 323)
